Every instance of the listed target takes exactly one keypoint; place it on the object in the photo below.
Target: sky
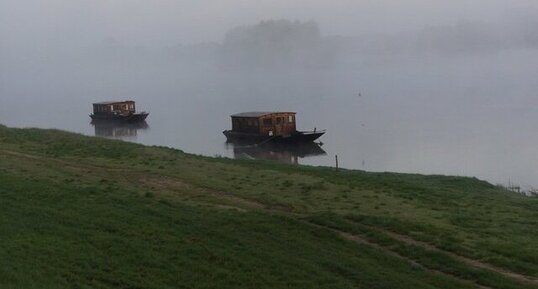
(42, 23)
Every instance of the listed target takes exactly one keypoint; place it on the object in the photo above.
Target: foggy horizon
(169, 23)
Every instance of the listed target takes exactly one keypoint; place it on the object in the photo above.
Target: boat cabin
(126, 107)
(265, 123)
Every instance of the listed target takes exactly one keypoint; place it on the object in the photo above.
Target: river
(468, 115)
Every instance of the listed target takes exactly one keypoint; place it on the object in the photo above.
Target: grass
(82, 212)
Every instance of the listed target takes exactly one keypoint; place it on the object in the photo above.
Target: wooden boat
(120, 111)
(260, 127)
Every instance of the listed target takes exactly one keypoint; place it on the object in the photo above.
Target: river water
(471, 115)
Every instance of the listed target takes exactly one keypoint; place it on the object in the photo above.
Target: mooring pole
(336, 160)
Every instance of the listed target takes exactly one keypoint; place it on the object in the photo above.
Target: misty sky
(155, 23)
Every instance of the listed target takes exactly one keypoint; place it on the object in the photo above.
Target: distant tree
(273, 43)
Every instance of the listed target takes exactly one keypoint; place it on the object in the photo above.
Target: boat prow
(134, 117)
(297, 137)
(137, 117)
(304, 136)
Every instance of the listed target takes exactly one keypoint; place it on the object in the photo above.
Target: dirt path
(472, 262)
(158, 182)
(74, 165)
(360, 240)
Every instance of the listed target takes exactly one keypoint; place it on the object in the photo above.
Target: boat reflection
(118, 130)
(276, 152)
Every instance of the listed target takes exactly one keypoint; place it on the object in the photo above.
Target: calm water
(465, 115)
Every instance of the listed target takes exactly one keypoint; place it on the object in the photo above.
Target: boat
(261, 127)
(118, 111)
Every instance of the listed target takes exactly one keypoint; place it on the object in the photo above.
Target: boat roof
(113, 102)
(258, 113)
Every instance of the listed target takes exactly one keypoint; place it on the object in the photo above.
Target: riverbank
(88, 212)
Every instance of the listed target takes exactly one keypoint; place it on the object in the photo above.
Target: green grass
(82, 212)
(434, 259)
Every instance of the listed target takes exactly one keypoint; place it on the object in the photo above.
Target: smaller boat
(261, 127)
(122, 111)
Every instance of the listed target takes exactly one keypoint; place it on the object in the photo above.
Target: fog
(445, 87)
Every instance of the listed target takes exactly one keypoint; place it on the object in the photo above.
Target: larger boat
(260, 127)
(123, 111)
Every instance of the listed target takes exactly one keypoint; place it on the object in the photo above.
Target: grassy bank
(82, 212)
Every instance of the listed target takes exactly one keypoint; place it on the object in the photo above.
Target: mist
(445, 86)
(160, 23)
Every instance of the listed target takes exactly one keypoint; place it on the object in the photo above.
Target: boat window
(290, 118)
(267, 122)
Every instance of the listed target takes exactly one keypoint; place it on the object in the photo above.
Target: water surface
(472, 115)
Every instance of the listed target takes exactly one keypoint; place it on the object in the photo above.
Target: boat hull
(298, 137)
(131, 118)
